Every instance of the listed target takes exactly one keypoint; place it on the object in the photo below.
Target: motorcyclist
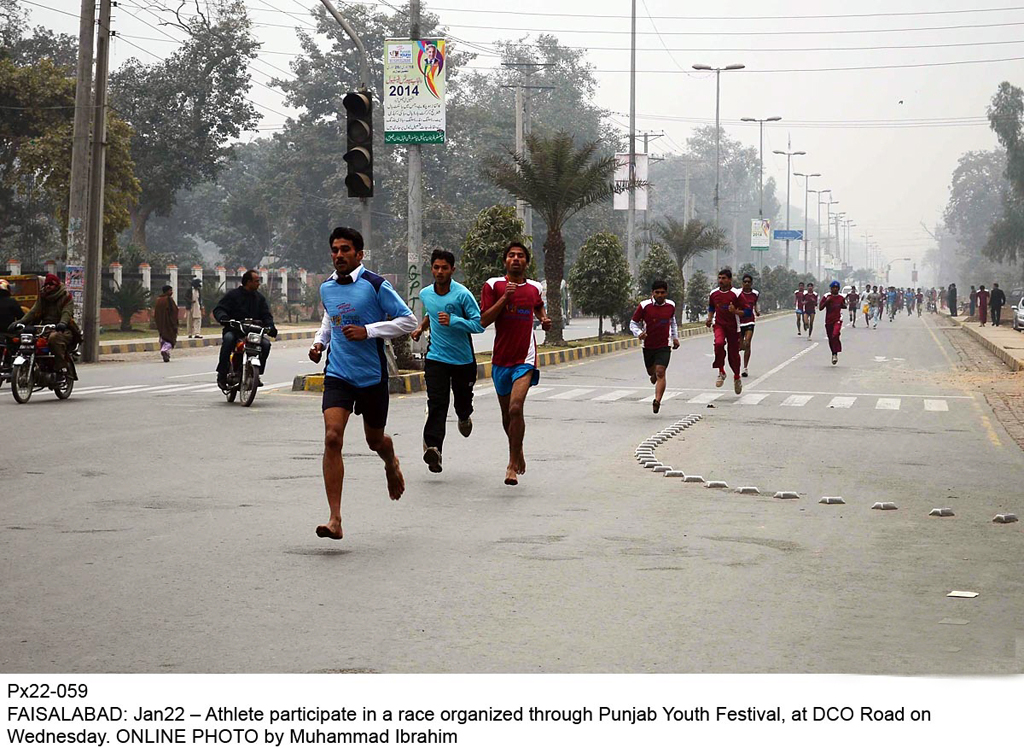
(55, 307)
(239, 304)
(10, 312)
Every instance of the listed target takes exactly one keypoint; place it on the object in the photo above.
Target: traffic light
(359, 151)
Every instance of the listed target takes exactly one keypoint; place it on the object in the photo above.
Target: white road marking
(936, 405)
(796, 401)
(842, 402)
(120, 390)
(888, 403)
(781, 366)
(705, 397)
(533, 390)
(614, 395)
(278, 386)
(570, 394)
(169, 388)
(666, 396)
(182, 376)
(752, 399)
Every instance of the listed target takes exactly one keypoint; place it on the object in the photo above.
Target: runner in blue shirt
(361, 310)
(452, 316)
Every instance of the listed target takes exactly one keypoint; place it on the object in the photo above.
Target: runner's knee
(515, 410)
(334, 438)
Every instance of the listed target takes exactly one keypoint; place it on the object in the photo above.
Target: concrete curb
(1012, 362)
(210, 340)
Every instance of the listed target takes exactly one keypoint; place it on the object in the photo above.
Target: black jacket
(997, 299)
(10, 311)
(239, 304)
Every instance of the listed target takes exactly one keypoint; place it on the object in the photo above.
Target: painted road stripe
(888, 403)
(783, 365)
(667, 396)
(533, 390)
(796, 401)
(705, 397)
(170, 388)
(277, 386)
(614, 395)
(752, 399)
(570, 394)
(842, 402)
(120, 390)
(936, 405)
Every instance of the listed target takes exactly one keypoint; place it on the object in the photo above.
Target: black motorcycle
(244, 375)
(34, 366)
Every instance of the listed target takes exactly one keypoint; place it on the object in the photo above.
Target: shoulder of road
(1006, 343)
(113, 347)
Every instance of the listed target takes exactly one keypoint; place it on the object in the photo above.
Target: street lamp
(789, 169)
(849, 224)
(828, 230)
(760, 122)
(718, 129)
(807, 190)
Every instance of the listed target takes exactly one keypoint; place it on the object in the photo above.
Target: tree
(1006, 116)
(483, 250)
(697, 294)
(659, 265)
(187, 109)
(557, 180)
(690, 239)
(128, 299)
(599, 280)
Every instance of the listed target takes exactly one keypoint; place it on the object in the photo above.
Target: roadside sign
(414, 90)
(792, 235)
(620, 200)
(760, 233)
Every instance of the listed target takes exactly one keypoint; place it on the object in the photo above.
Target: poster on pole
(760, 234)
(414, 90)
(74, 282)
(621, 199)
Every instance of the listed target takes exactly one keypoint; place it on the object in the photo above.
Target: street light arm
(364, 67)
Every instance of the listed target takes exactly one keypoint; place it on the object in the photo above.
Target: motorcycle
(244, 375)
(34, 365)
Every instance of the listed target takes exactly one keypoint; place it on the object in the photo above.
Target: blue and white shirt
(452, 344)
(370, 301)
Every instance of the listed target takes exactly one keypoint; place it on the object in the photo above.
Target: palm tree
(689, 239)
(128, 299)
(557, 180)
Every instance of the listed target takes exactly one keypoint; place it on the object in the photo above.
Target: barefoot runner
(722, 311)
(748, 314)
(833, 304)
(798, 303)
(361, 309)
(511, 303)
(810, 308)
(852, 303)
(654, 322)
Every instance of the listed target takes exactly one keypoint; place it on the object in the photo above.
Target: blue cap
(834, 284)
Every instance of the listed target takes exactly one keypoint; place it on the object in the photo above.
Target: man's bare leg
(381, 443)
(747, 335)
(515, 427)
(660, 383)
(335, 421)
(654, 376)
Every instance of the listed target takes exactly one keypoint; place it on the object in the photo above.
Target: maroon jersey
(810, 302)
(657, 320)
(718, 304)
(745, 302)
(798, 300)
(514, 342)
(833, 304)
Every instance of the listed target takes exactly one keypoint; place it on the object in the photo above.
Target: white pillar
(118, 271)
(222, 276)
(147, 275)
(303, 277)
(241, 271)
(283, 273)
(197, 271)
(264, 276)
(173, 282)
(14, 266)
(51, 266)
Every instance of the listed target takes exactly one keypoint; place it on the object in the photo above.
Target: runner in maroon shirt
(747, 305)
(798, 303)
(810, 307)
(722, 313)
(833, 304)
(852, 300)
(654, 322)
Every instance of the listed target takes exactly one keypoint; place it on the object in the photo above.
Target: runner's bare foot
(519, 463)
(331, 530)
(396, 481)
(510, 476)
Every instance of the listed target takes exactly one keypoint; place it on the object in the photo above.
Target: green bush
(599, 280)
(484, 248)
(128, 299)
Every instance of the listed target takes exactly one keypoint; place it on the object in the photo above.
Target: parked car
(1016, 301)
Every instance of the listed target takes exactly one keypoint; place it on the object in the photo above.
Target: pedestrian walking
(810, 309)
(452, 316)
(722, 313)
(997, 302)
(165, 314)
(654, 323)
(511, 303)
(833, 305)
(361, 311)
(194, 315)
(983, 299)
(951, 299)
(974, 300)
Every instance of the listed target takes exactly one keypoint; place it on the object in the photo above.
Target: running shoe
(433, 459)
(721, 379)
(835, 359)
(656, 405)
(466, 427)
(737, 385)
(745, 373)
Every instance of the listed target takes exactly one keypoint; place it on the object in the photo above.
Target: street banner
(74, 282)
(414, 90)
(621, 199)
(760, 234)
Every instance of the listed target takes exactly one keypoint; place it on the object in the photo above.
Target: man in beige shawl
(165, 312)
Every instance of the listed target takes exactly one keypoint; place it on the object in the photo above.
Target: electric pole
(631, 206)
(78, 206)
(415, 188)
(523, 126)
(97, 175)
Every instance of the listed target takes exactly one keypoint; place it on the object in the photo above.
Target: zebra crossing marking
(888, 403)
(936, 406)
(842, 402)
(796, 401)
(704, 398)
(570, 394)
(752, 399)
(613, 395)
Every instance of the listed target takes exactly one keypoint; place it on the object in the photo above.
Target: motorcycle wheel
(22, 382)
(248, 386)
(63, 390)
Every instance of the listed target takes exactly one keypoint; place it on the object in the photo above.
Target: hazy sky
(885, 137)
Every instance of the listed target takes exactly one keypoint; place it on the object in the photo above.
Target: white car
(1017, 305)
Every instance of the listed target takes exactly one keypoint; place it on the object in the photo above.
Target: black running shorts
(369, 402)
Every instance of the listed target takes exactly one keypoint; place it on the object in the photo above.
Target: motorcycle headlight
(27, 339)
(254, 337)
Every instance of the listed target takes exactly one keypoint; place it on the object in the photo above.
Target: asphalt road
(167, 531)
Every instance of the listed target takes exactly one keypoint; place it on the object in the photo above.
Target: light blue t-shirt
(452, 344)
(370, 298)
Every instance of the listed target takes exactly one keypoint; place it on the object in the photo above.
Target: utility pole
(646, 241)
(760, 158)
(97, 175)
(631, 207)
(415, 245)
(789, 172)
(807, 191)
(524, 112)
(78, 207)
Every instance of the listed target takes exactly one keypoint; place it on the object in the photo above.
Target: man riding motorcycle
(55, 307)
(10, 312)
(242, 303)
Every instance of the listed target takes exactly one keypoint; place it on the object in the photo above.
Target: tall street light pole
(807, 190)
(760, 122)
(789, 171)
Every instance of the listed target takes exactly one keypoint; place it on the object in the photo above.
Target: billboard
(414, 90)
(760, 234)
(621, 199)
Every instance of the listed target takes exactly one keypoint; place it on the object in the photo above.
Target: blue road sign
(790, 234)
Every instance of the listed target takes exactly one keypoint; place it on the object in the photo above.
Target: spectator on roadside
(951, 299)
(982, 305)
(974, 300)
(195, 309)
(996, 302)
(165, 313)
